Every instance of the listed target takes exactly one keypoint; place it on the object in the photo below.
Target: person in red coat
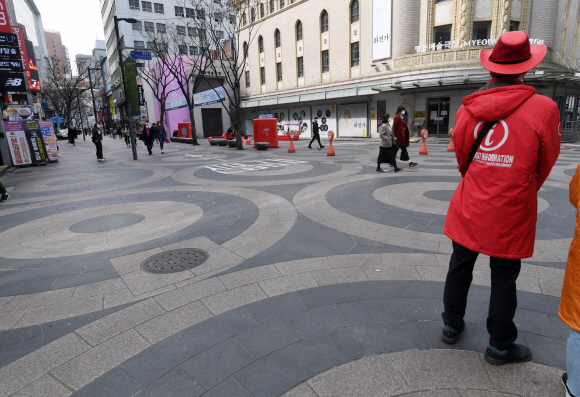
(401, 131)
(494, 209)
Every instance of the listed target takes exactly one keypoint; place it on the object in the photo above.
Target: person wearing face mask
(386, 151)
(401, 131)
(315, 134)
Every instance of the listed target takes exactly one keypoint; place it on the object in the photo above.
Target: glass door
(438, 116)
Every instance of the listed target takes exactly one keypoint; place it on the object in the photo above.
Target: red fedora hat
(512, 54)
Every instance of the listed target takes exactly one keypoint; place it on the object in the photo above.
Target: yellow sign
(112, 103)
(420, 114)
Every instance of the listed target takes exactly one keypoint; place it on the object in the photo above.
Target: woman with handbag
(401, 131)
(161, 135)
(388, 145)
(127, 135)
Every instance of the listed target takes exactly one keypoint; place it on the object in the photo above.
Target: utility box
(184, 130)
(266, 130)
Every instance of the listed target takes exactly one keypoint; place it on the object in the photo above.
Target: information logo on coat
(496, 137)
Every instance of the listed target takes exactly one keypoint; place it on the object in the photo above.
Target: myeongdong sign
(447, 45)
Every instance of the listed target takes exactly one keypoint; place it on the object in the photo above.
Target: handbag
(480, 137)
(167, 140)
(395, 145)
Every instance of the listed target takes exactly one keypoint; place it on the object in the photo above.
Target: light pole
(124, 82)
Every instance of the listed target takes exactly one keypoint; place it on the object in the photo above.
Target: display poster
(353, 121)
(326, 119)
(35, 142)
(382, 29)
(282, 115)
(49, 140)
(176, 109)
(17, 143)
(17, 112)
(209, 97)
(32, 68)
(302, 116)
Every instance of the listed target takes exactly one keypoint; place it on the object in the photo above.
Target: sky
(78, 21)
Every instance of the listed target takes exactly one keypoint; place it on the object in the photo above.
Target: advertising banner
(141, 95)
(382, 29)
(176, 109)
(9, 53)
(353, 121)
(12, 82)
(326, 119)
(49, 140)
(4, 22)
(9, 39)
(283, 115)
(302, 116)
(209, 97)
(112, 105)
(35, 142)
(31, 68)
(11, 66)
(19, 32)
(17, 143)
(17, 112)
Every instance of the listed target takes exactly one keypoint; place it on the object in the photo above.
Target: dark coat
(161, 134)
(315, 128)
(401, 131)
(96, 135)
(149, 135)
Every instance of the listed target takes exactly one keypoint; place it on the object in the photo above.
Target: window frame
(189, 13)
(195, 51)
(262, 10)
(324, 22)
(136, 45)
(299, 33)
(325, 56)
(200, 13)
(180, 30)
(149, 8)
(181, 50)
(247, 77)
(191, 31)
(481, 25)
(300, 67)
(355, 47)
(151, 25)
(158, 8)
(132, 5)
(272, 7)
(263, 75)
(354, 18)
(282, 4)
(137, 26)
(179, 13)
(279, 77)
(277, 38)
(252, 15)
(261, 45)
(164, 30)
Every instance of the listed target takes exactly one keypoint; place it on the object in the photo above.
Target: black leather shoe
(380, 170)
(515, 354)
(450, 334)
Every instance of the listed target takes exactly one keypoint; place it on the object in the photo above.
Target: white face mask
(403, 113)
(390, 120)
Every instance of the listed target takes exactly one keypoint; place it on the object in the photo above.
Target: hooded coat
(401, 130)
(570, 302)
(494, 209)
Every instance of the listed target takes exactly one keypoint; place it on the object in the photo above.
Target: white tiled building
(352, 61)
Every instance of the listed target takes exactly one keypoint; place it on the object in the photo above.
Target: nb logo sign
(13, 82)
(495, 138)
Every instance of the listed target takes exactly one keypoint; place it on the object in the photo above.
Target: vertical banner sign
(382, 29)
(4, 23)
(141, 95)
(17, 143)
(49, 140)
(31, 68)
(35, 142)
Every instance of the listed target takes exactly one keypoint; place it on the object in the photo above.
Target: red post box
(184, 130)
(266, 130)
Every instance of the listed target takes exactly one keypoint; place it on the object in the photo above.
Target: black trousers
(127, 140)
(404, 153)
(503, 301)
(99, 146)
(149, 146)
(315, 137)
(2, 189)
(386, 155)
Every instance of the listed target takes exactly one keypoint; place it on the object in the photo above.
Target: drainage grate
(175, 261)
(346, 162)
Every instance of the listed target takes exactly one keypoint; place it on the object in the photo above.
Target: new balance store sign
(12, 82)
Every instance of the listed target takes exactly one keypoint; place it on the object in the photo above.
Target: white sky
(78, 21)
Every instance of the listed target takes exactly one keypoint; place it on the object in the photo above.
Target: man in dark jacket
(507, 140)
(4, 196)
(97, 139)
(315, 134)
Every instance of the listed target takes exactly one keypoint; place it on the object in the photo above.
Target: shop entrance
(438, 116)
(212, 122)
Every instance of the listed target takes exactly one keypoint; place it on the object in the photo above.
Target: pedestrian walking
(71, 135)
(570, 299)
(116, 131)
(161, 135)
(97, 139)
(148, 137)
(388, 143)
(401, 131)
(315, 134)
(4, 196)
(127, 135)
(494, 209)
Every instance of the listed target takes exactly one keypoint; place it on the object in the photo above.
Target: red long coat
(494, 209)
(401, 131)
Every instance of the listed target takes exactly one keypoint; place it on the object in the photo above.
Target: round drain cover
(175, 261)
(346, 162)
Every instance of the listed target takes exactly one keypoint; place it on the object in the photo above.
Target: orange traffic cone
(330, 148)
(291, 148)
(423, 149)
(451, 147)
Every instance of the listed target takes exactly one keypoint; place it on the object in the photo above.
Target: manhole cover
(346, 162)
(175, 261)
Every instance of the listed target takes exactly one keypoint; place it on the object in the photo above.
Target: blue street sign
(144, 55)
(57, 120)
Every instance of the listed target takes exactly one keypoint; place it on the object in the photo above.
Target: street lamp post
(124, 82)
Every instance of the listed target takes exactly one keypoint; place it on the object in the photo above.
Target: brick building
(351, 61)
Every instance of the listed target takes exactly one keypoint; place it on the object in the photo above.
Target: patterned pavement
(323, 277)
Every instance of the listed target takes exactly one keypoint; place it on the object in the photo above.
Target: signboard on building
(326, 118)
(32, 68)
(11, 66)
(382, 29)
(141, 95)
(9, 39)
(4, 22)
(49, 140)
(143, 55)
(353, 121)
(209, 97)
(12, 82)
(9, 53)
(17, 143)
(112, 105)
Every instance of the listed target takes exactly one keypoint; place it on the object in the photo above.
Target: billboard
(176, 109)
(17, 142)
(326, 119)
(31, 68)
(209, 97)
(382, 29)
(4, 22)
(353, 121)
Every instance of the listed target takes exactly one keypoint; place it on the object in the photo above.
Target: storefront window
(481, 30)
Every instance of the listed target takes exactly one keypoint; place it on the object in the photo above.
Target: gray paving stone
(533, 322)
(269, 337)
(475, 312)
(286, 368)
(561, 330)
(302, 390)
(79, 279)
(13, 336)
(422, 289)
(275, 307)
(547, 351)
(538, 303)
(27, 287)
(286, 284)
(228, 388)
(45, 387)
(174, 384)
(217, 363)
(376, 290)
(114, 383)
(222, 327)
(366, 340)
(14, 351)
(317, 321)
(231, 299)
(411, 309)
(364, 312)
(161, 358)
(328, 295)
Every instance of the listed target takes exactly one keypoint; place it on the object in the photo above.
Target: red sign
(4, 23)
(20, 33)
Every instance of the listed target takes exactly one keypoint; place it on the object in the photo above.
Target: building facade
(352, 61)
(57, 51)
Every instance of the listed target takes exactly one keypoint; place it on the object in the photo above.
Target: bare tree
(229, 27)
(63, 90)
(180, 58)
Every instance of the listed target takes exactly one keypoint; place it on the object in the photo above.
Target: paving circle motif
(174, 261)
(54, 236)
(346, 162)
(63, 182)
(67, 182)
(106, 223)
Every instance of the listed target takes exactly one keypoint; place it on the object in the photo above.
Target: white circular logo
(495, 136)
